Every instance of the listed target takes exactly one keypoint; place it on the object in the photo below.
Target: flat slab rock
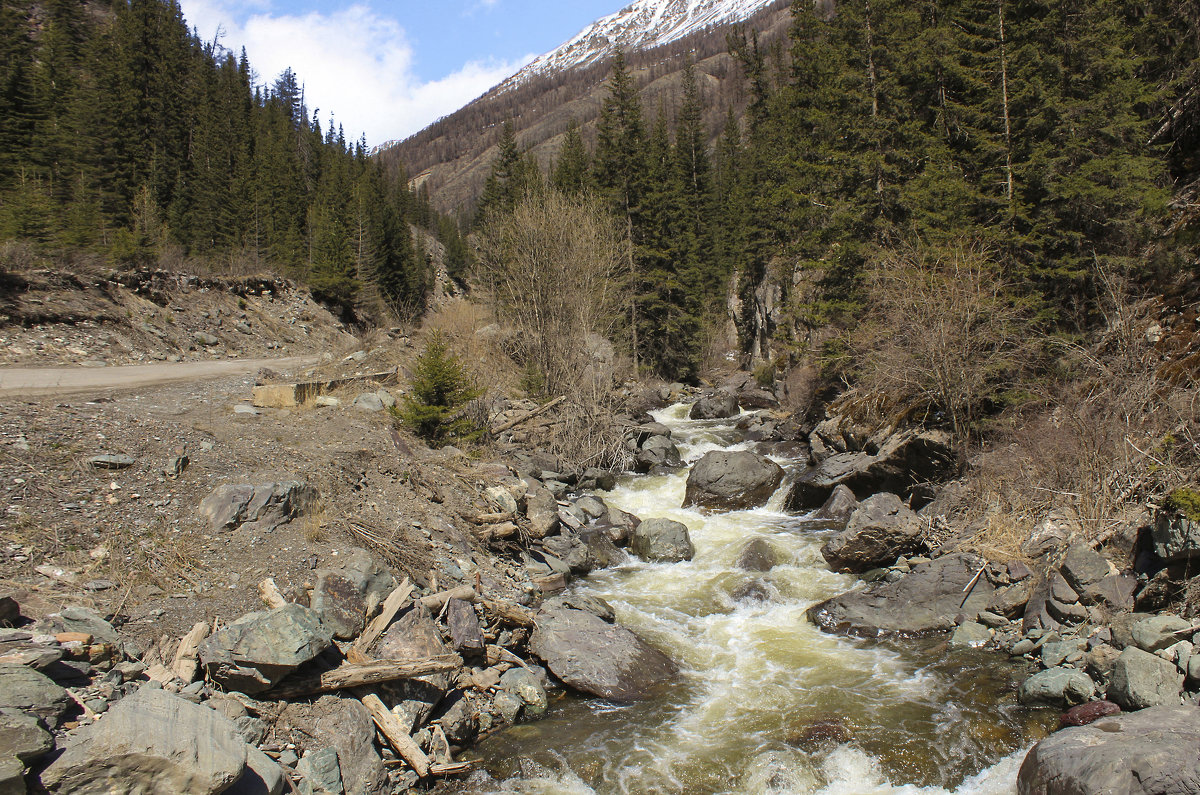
(152, 741)
(598, 658)
(924, 601)
(253, 653)
(1156, 750)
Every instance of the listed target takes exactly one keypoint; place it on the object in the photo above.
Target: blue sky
(388, 69)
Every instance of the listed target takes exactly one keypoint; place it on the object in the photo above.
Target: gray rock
(1060, 591)
(385, 397)
(12, 776)
(1141, 679)
(1152, 752)
(969, 635)
(501, 499)
(459, 718)
(31, 692)
(258, 508)
(571, 550)
(368, 401)
(657, 452)
(1082, 566)
(904, 460)
(581, 601)
(1060, 651)
(1159, 632)
(508, 705)
(838, 509)
(662, 541)
(263, 776)
(465, 632)
(1114, 592)
(345, 725)
(111, 461)
(80, 619)
(206, 339)
(595, 657)
(757, 399)
(151, 741)
(732, 480)
(922, 602)
(322, 773)
(345, 590)
(620, 525)
(879, 531)
(253, 653)
(715, 407)
(592, 507)
(22, 736)
(10, 611)
(1099, 661)
(1037, 613)
(759, 554)
(524, 685)
(1010, 600)
(412, 636)
(1176, 537)
(541, 508)
(1057, 687)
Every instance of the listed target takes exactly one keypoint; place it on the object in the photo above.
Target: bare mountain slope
(453, 156)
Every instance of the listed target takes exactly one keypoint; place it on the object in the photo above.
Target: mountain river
(766, 703)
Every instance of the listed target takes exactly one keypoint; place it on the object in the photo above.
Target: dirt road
(65, 380)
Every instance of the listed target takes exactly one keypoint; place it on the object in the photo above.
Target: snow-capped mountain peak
(641, 25)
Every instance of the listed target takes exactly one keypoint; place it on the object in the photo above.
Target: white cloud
(353, 63)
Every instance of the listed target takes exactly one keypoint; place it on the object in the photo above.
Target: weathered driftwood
(270, 594)
(391, 728)
(530, 415)
(185, 664)
(503, 530)
(465, 633)
(452, 769)
(437, 601)
(372, 673)
(490, 518)
(509, 613)
(380, 623)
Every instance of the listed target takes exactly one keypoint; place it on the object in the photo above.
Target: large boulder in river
(253, 653)
(732, 479)
(153, 741)
(879, 531)
(715, 407)
(1153, 751)
(924, 601)
(838, 509)
(655, 453)
(598, 658)
(903, 461)
(662, 541)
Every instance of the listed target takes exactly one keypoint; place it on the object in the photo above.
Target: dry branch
(391, 606)
(270, 594)
(373, 673)
(527, 417)
(391, 728)
(185, 663)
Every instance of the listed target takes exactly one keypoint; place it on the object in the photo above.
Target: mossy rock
(1185, 501)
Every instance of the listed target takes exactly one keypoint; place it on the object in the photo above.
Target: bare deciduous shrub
(554, 270)
(942, 329)
(1111, 435)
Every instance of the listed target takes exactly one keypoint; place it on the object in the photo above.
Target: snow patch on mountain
(640, 26)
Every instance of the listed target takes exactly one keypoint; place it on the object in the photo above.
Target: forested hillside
(1045, 147)
(127, 138)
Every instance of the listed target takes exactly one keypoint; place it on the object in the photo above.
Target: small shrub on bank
(436, 406)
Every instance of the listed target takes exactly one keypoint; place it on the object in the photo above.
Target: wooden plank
(391, 728)
(186, 662)
(347, 676)
(270, 594)
(391, 606)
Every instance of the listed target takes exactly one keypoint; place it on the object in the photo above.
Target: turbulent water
(760, 682)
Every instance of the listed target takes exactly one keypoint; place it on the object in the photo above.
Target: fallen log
(527, 417)
(509, 613)
(372, 673)
(437, 601)
(391, 728)
(452, 769)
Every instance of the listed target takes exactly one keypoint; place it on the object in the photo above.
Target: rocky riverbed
(764, 608)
